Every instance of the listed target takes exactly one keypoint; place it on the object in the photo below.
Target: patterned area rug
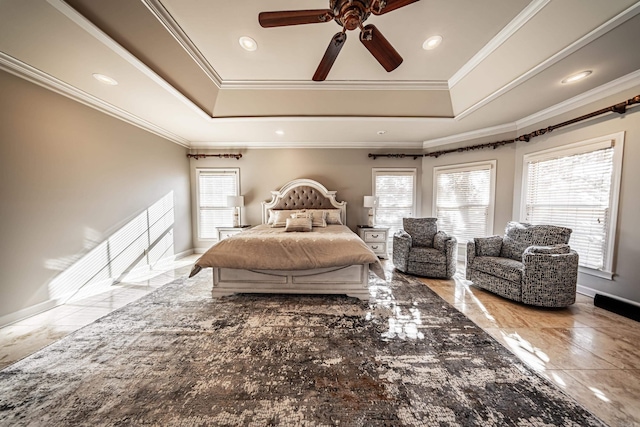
(177, 357)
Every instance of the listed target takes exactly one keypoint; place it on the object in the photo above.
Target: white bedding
(267, 248)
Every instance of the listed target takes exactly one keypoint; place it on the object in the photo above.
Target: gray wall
(71, 177)
(349, 171)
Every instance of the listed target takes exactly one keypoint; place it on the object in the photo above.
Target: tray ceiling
(183, 74)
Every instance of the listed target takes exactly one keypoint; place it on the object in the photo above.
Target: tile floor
(590, 353)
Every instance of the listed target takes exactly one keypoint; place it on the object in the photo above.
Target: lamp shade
(370, 201)
(235, 201)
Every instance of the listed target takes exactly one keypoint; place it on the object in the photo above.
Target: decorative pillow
(488, 246)
(280, 217)
(519, 236)
(549, 250)
(421, 230)
(318, 216)
(298, 224)
(439, 240)
(271, 216)
(333, 216)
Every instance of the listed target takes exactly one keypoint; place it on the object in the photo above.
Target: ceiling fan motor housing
(350, 14)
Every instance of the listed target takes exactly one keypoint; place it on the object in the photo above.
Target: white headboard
(303, 194)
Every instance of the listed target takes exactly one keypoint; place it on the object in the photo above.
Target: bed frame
(351, 280)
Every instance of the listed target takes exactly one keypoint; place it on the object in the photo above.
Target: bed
(274, 258)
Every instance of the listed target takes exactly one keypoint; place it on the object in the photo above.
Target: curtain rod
(619, 108)
(225, 156)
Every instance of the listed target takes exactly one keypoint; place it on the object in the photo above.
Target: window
(396, 189)
(577, 186)
(214, 185)
(463, 199)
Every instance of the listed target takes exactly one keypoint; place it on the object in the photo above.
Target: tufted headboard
(303, 194)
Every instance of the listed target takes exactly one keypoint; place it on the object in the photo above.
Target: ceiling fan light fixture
(105, 79)
(577, 76)
(248, 43)
(432, 42)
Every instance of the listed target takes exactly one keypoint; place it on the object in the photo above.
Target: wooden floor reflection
(590, 353)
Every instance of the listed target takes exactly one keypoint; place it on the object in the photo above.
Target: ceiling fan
(349, 14)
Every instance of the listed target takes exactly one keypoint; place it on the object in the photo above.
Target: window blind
(463, 201)
(213, 188)
(574, 191)
(396, 192)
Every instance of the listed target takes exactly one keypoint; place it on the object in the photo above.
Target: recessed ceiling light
(248, 43)
(575, 77)
(105, 79)
(279, 132)
(381, 132)
(432, 42)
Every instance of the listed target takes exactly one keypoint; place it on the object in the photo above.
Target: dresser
(224, 232)
(375, 238)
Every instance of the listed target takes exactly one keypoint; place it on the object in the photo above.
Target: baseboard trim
(16, 316)
(24, 313)
(183, 254)
(590, 292)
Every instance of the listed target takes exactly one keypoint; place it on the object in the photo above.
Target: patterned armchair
(422, 250)
(532, 264)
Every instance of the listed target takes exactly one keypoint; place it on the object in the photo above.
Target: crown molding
(307, 145)
(29, 73)
(163, 15)
(337, 85)
(165, 18)
(116, 48)
(289, 119)
(611, 88)
(467, 136)
(516, 23)
(612, 23)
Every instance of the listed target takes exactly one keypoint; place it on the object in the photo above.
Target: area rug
(177, 357)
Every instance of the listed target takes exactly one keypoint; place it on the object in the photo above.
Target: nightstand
(224, 232)
(375, 238)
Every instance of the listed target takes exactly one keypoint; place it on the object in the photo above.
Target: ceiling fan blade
(330, 56)
(379, 9)
(380, 48)
(294, 17)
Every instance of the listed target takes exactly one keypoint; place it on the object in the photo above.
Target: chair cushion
(488, 246)
(518, 236)
(504, 268)
(429, 255)
(421, 230)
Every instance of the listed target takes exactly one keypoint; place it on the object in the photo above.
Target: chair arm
(548, 279)
(471, 254)
(401, 246)
(451, 253)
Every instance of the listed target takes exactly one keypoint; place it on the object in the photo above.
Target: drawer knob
(375, 236)
(374, 247)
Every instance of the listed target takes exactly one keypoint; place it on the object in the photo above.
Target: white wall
(73, 177)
